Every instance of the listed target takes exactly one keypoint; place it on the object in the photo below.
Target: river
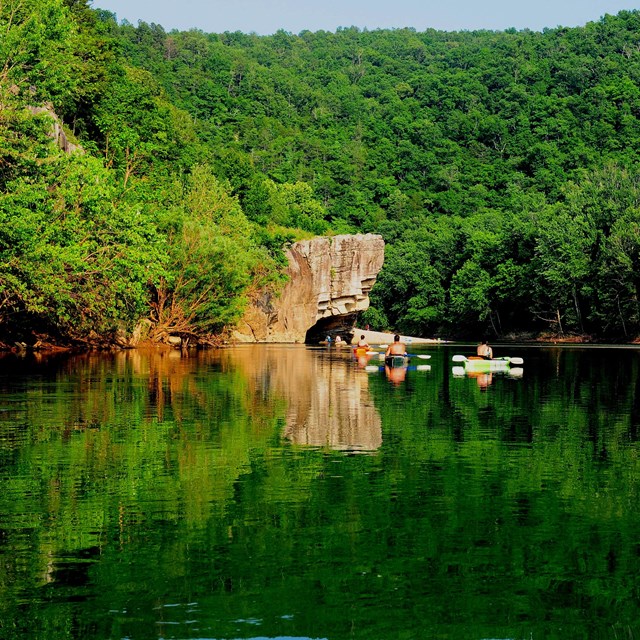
(284, 491)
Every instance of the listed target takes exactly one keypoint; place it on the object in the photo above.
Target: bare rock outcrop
(57, 131)
(329, 283)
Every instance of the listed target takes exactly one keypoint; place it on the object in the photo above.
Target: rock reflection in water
(329, 404)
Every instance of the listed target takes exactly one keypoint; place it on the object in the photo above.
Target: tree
(470, 296)
(293, 205)
(565, 246)
(618, 292)
(37, 43)
(213, 257)
(74, 262)
(141, 130)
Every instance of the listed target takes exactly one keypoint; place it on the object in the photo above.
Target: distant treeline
(500, 167)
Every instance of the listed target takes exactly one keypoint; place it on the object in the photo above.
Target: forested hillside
(134, 233)
(500, 167)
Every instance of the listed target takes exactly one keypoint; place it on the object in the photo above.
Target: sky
(265, 17)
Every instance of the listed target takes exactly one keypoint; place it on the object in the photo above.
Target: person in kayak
(397, 348)
(360, 351)
(484, 350)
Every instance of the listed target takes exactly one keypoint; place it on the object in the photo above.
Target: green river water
(290, 492)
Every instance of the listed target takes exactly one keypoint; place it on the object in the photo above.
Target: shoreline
(372, 337)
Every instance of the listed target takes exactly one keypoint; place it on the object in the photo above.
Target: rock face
(329, 283)
(57, 131)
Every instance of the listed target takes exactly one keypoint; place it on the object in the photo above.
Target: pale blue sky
(267, 16)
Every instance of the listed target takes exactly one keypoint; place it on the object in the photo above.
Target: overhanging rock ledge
(329, 283)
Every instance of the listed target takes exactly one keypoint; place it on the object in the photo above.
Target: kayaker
(360, 351)
(396, 348)
(484, 350)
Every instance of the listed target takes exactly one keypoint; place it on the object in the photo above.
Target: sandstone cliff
(329, 283)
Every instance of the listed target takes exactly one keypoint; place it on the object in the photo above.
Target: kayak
(509, 372)
(396, 361)
(477, 363)
(361, 351)
(482, 364)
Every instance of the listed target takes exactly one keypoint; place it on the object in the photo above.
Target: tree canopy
(500, 167)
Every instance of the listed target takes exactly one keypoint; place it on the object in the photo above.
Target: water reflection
(328, 399)
(485, 379)
(396, 375)
(159, 495)
(325, 397)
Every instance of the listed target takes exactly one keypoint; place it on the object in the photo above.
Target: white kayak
(477, 363)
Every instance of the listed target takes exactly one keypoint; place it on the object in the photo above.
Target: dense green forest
(500, 167)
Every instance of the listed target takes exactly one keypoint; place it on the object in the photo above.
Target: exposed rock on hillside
(329, 284)
(57, 130)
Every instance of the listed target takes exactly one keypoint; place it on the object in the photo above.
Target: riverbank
(372, 337)
(380, 337)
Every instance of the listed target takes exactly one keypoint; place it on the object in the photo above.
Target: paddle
(509, 360)
(420, 367)
(422, 356)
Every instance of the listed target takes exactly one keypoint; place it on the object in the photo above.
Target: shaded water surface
(285, 491)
